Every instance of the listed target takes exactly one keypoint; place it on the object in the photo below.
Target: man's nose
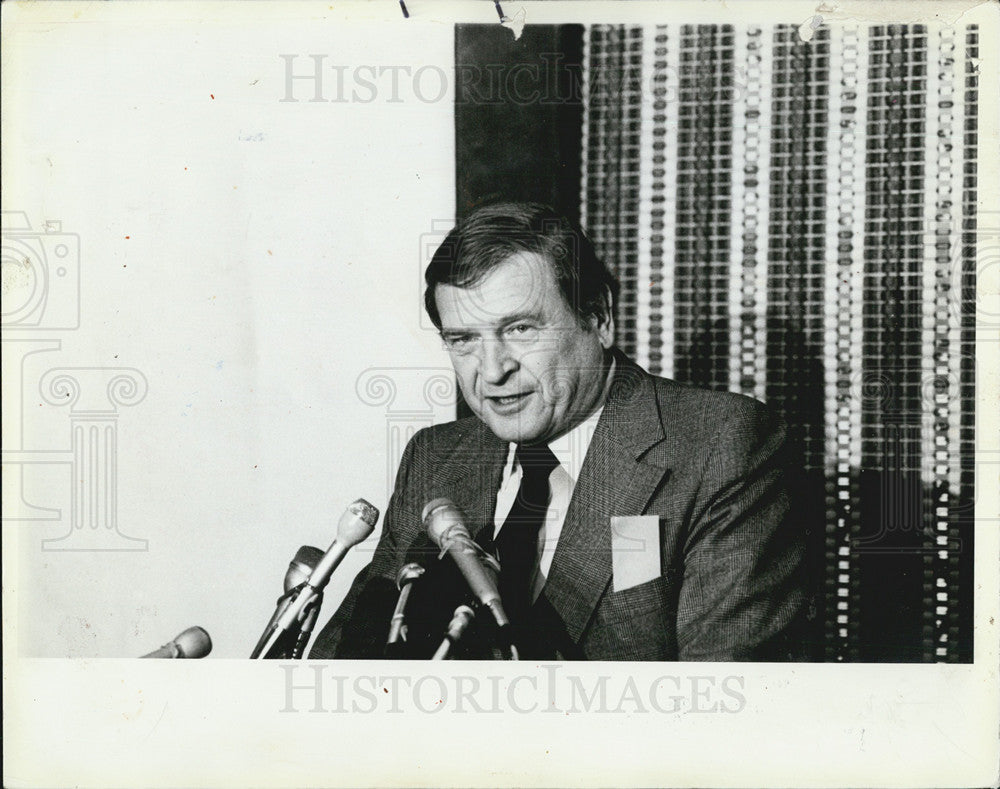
(497, 361)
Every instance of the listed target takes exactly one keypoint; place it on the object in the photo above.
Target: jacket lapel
(471, 474)
(615, 479)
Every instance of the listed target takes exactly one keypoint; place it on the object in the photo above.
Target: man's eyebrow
(507, 320)
(518, 317)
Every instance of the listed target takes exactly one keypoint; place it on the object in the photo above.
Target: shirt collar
(571, 448)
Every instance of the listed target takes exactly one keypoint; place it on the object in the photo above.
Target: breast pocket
(638, 623)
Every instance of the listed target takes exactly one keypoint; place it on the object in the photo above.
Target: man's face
(525, 365)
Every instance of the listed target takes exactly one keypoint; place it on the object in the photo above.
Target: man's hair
(493, 233)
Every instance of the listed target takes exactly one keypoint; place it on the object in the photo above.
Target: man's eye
(520, 332)
(458, 342)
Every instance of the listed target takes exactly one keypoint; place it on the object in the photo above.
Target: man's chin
(512, 430)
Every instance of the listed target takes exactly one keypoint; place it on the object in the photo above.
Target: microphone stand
(406, 577)
(461, 619)
(293, 642)
(305, 629)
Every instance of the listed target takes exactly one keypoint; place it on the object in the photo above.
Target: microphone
(301, 566)
(357, 522)
(459, 623)
(299, 569)
(407, 574)
(192, 643)
(445, 526)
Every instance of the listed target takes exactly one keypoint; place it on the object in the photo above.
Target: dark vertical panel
(614, 95)
(962, 513)
(796, 261)
(659, 334)
(518, 115)
(797, 237)
(891, 539)
(704, 206)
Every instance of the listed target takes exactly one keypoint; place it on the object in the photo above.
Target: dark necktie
(517, 541)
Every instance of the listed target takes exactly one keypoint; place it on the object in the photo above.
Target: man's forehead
(518, 287)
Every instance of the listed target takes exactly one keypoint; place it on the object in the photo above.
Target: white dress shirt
(570, 449)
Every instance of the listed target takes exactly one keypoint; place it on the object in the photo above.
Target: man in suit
(634, 518)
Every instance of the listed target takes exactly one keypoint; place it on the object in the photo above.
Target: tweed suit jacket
(707, 464)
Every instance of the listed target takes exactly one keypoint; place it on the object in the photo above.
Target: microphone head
(193, 643)
(408, 573)
(301, 567)
(463, 614)
(441, 516)
(357, 522)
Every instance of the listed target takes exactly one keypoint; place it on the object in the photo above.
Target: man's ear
(603, 320)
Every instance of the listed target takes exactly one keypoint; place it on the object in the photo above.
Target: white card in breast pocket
(635, 550)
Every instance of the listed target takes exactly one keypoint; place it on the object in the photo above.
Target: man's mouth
(504, 401)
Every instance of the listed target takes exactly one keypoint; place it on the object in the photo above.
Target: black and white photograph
(500, 394)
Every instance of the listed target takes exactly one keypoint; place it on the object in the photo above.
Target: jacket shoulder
(696, 412)
(447, 432)
(440, 440)
(690, 397)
